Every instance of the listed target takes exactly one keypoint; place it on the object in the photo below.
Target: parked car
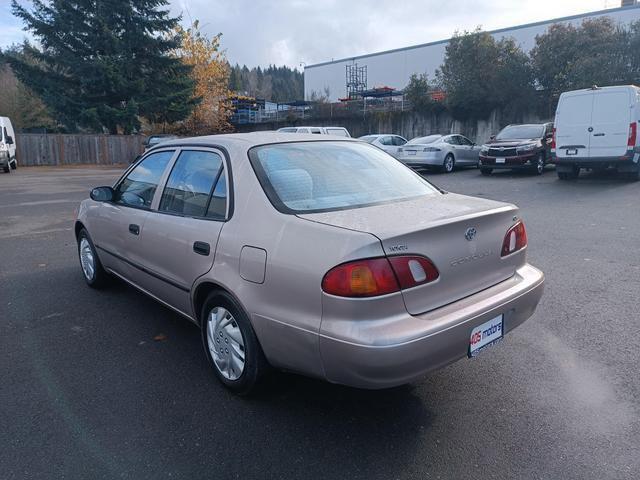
(518, 147)
(444, 152)
(319, 255)
(153, 140)
(8, 158)
(389, 143)
(339, 131)
(597, 128)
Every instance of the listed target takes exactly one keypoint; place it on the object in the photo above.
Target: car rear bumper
(630, 160)
(424, 160)
(429, 341)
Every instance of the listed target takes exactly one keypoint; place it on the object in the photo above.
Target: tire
(449, 163)
(486, 171)
(7, 169)
(14, 165)
(538, 168)
(632, 176)
(233, 350)
(92, 271)
(571, 175)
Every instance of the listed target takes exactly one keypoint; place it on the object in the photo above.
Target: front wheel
(449, 163)
(94, 274)
(14, 165)
(231, 345)
(486, 171)
(7, 168)
(539, 165)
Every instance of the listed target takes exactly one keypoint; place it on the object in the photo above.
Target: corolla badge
(470, 234)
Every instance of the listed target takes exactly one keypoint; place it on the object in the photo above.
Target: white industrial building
(393, 68)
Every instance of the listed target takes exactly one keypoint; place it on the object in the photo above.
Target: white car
(387, 142)
(444, 152)
(339, 131)
(8, 159)
(597, 128)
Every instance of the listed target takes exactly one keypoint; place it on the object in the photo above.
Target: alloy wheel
(448, 164)
(225, 343)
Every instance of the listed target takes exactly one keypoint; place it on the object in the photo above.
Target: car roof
(246, 141)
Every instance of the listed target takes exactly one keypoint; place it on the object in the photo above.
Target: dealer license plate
(500, 160)
(489, 333)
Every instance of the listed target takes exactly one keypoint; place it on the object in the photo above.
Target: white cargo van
(597, 128)
(7, 146)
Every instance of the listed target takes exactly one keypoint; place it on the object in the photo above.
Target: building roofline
(492, 32)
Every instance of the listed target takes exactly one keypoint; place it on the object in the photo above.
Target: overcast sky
(263, 32)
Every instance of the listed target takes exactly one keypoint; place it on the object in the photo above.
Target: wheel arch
(203, 290)
(77, 227)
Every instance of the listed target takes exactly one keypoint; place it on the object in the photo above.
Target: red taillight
(553, 139)
(633, 131)
(378, 276)
(412, 271)
(515, 239)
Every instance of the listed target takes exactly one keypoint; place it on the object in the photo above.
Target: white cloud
(262, 32)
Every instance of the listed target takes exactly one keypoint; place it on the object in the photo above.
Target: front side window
(139, 186)
(385, 141)
(190, 183)
(324, 176)
(465, 141)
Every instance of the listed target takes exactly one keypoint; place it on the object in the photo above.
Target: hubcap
(87, 259)
(540, 165)
(225, 343)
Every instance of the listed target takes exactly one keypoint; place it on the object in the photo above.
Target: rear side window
(139, 186)
(324, 176)
(191, 182)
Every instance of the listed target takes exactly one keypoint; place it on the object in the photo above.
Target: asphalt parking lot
(110, 384)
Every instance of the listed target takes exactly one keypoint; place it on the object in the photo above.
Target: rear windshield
(308, 177)
(423, 140)
(517, 132)
(368, 138)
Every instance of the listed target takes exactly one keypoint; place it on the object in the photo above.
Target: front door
(180, 235)
(117, 227)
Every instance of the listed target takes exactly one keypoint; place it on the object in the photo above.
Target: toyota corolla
(322, 256)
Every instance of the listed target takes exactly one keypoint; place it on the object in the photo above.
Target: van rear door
(610, 121)
(573, 120)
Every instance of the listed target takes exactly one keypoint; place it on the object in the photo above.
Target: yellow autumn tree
(211, 75)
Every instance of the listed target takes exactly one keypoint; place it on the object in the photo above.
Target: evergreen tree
(104, 63)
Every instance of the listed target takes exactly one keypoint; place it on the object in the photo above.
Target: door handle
(598, 134)
(202, 248)
(135, 229)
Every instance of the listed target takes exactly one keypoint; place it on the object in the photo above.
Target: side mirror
(492, 137)
(9, 140)
(102, 194)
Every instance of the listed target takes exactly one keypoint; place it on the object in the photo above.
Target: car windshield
(423, 140)
(368, 138)
(521, 131)
(324, 176)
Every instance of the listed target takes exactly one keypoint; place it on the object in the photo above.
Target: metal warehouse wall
(393, 68)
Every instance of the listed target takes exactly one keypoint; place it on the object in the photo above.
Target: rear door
(612, 112)
(180, 234)
(573, 121)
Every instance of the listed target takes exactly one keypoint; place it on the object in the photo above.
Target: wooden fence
(77, 149)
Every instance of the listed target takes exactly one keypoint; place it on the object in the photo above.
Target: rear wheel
(632, 176)
(449, 163)
(7, 168)
(230, 344)
(486, 171)
(572, 174)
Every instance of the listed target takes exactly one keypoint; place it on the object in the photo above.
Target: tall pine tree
(102, 64)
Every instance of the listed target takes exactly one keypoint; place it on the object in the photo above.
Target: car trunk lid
(441, 228)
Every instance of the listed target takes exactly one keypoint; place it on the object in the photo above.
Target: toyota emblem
(470, 234)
